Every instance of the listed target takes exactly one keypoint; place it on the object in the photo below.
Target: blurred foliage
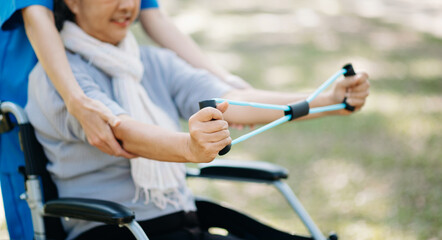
(374, 175)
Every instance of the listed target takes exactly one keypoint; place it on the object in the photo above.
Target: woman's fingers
(214, 126)
(204, 134)
(361, 77)
(222, 106)
(207, 114)
(105, 114)
(215, 136)
(118, 150)
(356, 102)
(95, 119)
(357, 94)
(112, 120)
(100, 135)
(361, 87)
(222, 144)
(209, 133)
(360, 94)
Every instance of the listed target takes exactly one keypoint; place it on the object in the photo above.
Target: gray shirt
(81, 170)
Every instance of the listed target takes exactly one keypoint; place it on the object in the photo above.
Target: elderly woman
(150, 89)
(23, 20)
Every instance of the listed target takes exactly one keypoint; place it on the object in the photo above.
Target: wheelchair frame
(113, 213)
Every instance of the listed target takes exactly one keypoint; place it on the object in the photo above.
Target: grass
(374, 175)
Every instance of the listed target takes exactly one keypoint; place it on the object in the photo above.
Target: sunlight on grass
(426, 23)
(339, 181)
(393, 104)
(365, 231)
(426, 68)
(368, 176)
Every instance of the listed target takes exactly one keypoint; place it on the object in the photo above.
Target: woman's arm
(202, 144)
(161, 29)
(92, 115)
(208, 128)
(356, 89)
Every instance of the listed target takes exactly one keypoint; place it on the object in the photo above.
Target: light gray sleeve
(95, 91)
(94, 83)
(188, 85)
(47, 111)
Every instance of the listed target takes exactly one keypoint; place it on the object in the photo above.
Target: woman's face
(106, 20)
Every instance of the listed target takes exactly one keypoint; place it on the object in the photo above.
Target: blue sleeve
(149, 4)
(10, 15)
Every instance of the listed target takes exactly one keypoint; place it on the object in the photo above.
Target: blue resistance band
(292, 111)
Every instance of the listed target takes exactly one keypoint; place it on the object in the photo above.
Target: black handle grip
(350, 72)
(212, 103)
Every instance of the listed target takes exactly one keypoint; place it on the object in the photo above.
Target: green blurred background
(374, 175)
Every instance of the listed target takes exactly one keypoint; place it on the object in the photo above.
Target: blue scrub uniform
(17, 59)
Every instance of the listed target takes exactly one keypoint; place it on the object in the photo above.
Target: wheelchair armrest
(89, 209)
(247, 170)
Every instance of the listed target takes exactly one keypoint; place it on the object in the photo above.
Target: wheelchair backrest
(35, 160)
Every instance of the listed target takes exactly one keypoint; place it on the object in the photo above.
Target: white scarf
(158, 180)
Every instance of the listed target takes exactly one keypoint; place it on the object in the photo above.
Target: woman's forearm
(150, 141)
(208, 134)
(47, 44)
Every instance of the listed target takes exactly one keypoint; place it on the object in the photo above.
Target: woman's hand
(355, 88)
(95, 119)
(209, 134)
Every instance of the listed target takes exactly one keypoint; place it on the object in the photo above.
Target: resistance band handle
(212, 103)
(297, 110)
(350, 72)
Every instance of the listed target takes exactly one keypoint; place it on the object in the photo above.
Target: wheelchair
(47, 208)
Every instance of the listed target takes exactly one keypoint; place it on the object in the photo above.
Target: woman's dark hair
(62, 13)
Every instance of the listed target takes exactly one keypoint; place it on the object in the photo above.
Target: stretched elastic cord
(328, 108)
(257, 105)
(292, 111)
(261, 129)
(326, 84)
(253, 104)
(297, 110)
(284, 119)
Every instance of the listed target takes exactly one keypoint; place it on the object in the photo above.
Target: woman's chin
(113, 40)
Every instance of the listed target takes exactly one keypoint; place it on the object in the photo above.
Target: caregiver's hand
(95, 119)
(209, 134)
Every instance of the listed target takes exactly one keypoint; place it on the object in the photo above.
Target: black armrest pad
(89, 209)
(243, 169)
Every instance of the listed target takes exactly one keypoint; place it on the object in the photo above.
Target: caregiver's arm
(202, 144)
(92, 114)
(161, 29)
(356, 89)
